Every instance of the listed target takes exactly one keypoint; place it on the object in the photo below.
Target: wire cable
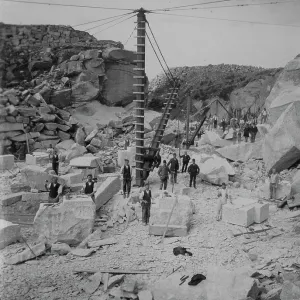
(67, 5)
(115, 24)
(234, 5)
(86, 23)
(230, 20)
(167, 75)
(129, 36)
(105, 23)
(160, 50)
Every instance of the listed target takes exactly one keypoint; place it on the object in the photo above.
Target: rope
(130, 35)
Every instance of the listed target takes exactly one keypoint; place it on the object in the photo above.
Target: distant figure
(127, 143)
(185, 161)
(55, 162)
(246, 132)
(194, 171)
(148, 160)
(274, 180)
(223, 124)
(264, 116)
(174, 166)
(126, 173)
(239, 135)
(146, 197)
(54, 189)
(253, 132)
(89, 187)
(223, 198)
(215, 121)
(163, 173)
(50, 152)
(157, 159)
(234, 136)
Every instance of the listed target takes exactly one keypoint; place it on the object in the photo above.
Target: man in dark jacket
(157, 159)
(185, 161)
(174, 166)
(193, 170)
(54, 189)
(148, 164)
(55, 162)
(253, 132)
(89, 187)
(163, 174)
(126, 173)
(146, 197)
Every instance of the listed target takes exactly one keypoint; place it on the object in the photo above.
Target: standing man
(146, 197)
(89, 187)
(185, 161)
(193, 170)
(223, 197)
(264, 116)
(246, 132)
(174, 166)
(223, 124)
(54, 189)
(163, 173)
(148, 163)
(50, 151)
(127, 143)
(253, 132)
(215, 120)
(55, 162)
(126, 173)
(274, 180)
(157, 159)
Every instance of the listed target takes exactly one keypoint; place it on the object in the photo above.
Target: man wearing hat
(146, 197)
(126, 173)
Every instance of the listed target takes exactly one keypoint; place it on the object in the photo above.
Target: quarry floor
(211, 242)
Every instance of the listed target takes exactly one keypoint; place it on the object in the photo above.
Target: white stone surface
(6, 162)
(9, 233)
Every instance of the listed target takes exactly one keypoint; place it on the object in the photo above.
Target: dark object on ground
(182, 251)
(197, 279)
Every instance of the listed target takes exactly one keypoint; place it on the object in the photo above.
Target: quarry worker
(274, 180)
(55, 162)
(157, 159)
(126, 173)
(146, 197)
(264, 116)
(50, 152)
(215, 121)
(253, 132)
(223, 124)
(148, 163)
(163, 173)
(194, 171)
(223, 198)
(54, 189)
(127, 143)
(246, 132)
(185, 161)
(89, 187)
(174, 166)
(239, 135)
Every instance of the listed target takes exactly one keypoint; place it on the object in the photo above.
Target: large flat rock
(212, 138)
(37, 158)
(242, 152)
(69, 222)
(107, 190)
(281, 148)
(6, 162)
(9, 233)
(283, 190)
(85, 162)
(10, 199)
(11, 126)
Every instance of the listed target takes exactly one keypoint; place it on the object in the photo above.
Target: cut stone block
(238, 215)
(35, 177)
(261, 212)
(35, 197)
(11, 126)
(10, 199)
(70, 222)
(172, 231)
(6, 162)
(25, 136)
(128, 154)
(107, 190)
(37, 158)
(9, 233)
(72, 178)
(86, 162)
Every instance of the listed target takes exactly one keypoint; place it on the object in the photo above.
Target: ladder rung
(139, 69)
(138, 77)
(142, 108)
(141, 93)
(139, 139)
(138, 60)
(140, 36)
(136, 146)
(140, 53)
(138, 84)
(142, 124)
(141, 45)
(139, 100)
(139, 131)
(139, 169)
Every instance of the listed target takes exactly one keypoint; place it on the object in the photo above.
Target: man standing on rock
(146, 197)
(193, 170)
(54, 189)
(246, 132)
(264, 116)
(185, 161)
(253, 132)
(157, 159)
(55, 162)
(89, 187)
(126, 173)
(274, 180)
(50, 151)
(148, 164)
(163, 173)
(174, 166)
(223, 124)
(223, 198)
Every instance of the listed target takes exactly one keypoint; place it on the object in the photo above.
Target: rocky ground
(211, 242)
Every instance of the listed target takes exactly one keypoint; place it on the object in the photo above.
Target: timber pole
(188, 120)
(139, 91)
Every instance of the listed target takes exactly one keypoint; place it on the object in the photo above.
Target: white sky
(183, 41)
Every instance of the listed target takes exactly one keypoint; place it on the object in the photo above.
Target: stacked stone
(26, 120)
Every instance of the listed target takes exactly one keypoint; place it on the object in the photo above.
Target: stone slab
(107, 190)
(6, 162)
(38, 158)
(85, 162)
(238, 215)
(9, 233)
(173, 230)
(69, 222)
(35, 197)
(6, 126)
(10, 199)
(261, 212)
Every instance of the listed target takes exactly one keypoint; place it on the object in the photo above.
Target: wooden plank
(112, 271)
(252, 232)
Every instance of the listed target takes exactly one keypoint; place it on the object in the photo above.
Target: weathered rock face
(212, 138)
(285, 91)
(70, 222)
(242, 152)
(295, 189)
(281, 148)
(9, 233)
